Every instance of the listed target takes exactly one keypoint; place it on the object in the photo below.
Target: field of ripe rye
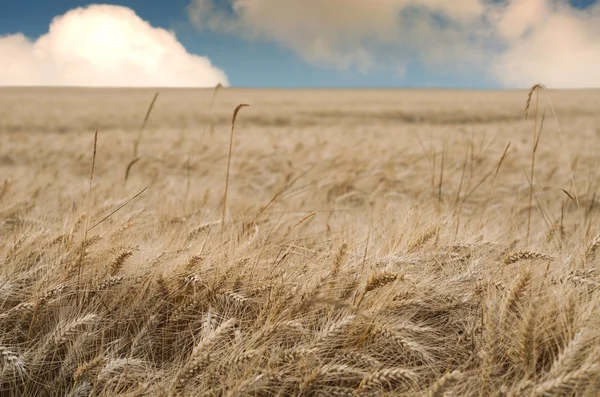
(374, 243)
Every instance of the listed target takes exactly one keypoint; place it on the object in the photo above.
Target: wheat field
(375, 243)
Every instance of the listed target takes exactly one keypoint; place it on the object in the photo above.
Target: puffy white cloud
(514, 42)
(556, 45)
(103, 45)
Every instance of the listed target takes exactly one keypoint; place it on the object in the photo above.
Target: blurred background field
(362, 144)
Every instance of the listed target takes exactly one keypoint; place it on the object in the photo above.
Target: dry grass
(400, 243)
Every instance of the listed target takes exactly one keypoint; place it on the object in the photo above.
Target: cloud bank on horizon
(512, 42)
(103, 45)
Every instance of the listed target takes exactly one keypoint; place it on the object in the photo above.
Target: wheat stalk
(441, 385)
(385, 377)
(423, 238)
(86, 368)
(527, 342)
(235, 113)
(72, 329)
(201, 357)
(109, 283)
(84, 242)
(568, 383)
(534, 88)
(191, 370)
(515, 295)
(328, 371)
(491, 350)
(571, 354)
(592, 247)
(375, 282)
(340, 257)
(534, 144)
(362, 360)
(117, 263)
(120, 367)
(141, 131)
(401, 341)
(336, 331)
(12, 359)
(335, 391)
(246, 385)
(525, 255)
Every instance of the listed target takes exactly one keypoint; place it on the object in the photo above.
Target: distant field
(376, 242)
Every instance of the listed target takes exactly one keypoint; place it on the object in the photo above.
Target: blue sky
(265, 61)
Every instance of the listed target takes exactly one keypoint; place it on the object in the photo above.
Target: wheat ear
(442, 384)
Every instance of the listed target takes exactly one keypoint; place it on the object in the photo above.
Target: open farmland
(375, 243)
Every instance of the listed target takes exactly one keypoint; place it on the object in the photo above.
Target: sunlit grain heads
(582, 277)
(389, 378)
(293, 355)
(334, 391)
(241, 358)
(52, 293)
(213, 337)
(247, 385)
(119, 374)
(191, 370)
(377, 281)
(576, 351)
(82, 389)
(192, 263)
(525, 255)
(423, 238)
(163, 289)
(144, 335)
(527, 348)
(280, 330)
(329, 373)
(187, 308)
(91, 367)
(515, 295)
(491, 347)
(20, 311)
(71, 329)
(203, 227)
(404, 343)
(12, 365)
(109, 283)
(340, 257)
(361, 360)
(592, 247)
(230, 298)
(522, 388)
(336, 331)
(442, 384)
(529, 95)
(117, 263)
(570, 383)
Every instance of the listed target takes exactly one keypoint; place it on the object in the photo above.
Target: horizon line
(314, 88)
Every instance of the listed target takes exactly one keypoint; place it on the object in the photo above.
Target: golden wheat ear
(534, 88)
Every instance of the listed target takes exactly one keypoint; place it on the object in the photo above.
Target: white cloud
(103, 45)
(557, 46)
(514, 42)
